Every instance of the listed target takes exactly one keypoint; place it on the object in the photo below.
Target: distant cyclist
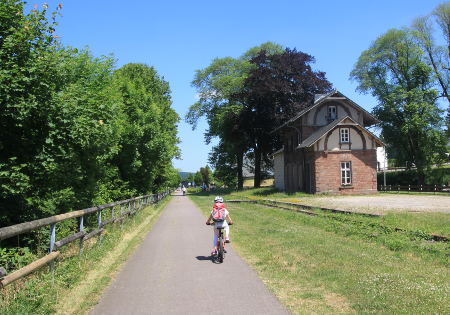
(184, 190)
(219, 215)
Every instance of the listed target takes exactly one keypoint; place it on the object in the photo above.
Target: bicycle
(220, 255)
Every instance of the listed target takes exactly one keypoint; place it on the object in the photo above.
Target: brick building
(327, 149)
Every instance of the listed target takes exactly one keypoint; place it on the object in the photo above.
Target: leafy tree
(206, 175)
(393, 71)
(225, 164)
(198, 178)
(190, 178)
(279, 85)
(172, 179)
(148, 143)
(216, 84)
(85, 124)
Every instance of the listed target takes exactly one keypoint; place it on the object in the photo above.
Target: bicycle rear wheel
(221, 254)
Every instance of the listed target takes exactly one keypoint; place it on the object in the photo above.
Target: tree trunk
(257, 181)
(420, 176)
(240, 162)
(438, 75)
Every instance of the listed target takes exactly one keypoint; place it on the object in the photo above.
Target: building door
(294, 177)
(301, 179)
(308, 178)
(288, 178)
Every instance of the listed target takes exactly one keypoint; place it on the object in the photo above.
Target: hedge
(436, 176)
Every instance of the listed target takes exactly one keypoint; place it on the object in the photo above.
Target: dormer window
(345, 135)
(332, 113)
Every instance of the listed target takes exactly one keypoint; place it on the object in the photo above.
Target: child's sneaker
(214, 253)
(227, 240)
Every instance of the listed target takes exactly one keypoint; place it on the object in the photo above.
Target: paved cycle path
(171, 273)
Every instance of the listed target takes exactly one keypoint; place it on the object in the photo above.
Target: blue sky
(178, 37)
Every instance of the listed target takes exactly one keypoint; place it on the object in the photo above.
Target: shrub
(435, 176)
(15, 258)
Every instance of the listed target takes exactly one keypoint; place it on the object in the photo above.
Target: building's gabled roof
(320, 98)
(320, 133)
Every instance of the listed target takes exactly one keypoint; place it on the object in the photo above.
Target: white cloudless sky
(178, 37)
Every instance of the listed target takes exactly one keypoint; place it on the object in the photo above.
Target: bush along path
(323, 265)
(172, 273)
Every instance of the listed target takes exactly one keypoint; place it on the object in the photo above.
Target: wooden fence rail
(415, 188)
(126, 208)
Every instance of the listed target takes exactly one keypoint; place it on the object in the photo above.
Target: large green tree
(207, 174)
(148, 142)
(278, 86)
(198, 178)
(393, 70)
(216, 84)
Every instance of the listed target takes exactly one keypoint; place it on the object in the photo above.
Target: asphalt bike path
(171, 272)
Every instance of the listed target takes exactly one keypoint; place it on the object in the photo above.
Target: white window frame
(345, 135)
(346, 173)
(330, 116)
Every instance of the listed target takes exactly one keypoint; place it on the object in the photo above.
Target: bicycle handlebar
(209, 223)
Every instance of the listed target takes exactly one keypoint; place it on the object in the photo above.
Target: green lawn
(319, 264)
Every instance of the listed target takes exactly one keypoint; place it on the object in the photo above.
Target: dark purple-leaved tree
(278, 87)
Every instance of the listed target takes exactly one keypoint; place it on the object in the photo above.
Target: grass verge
(318, 265)
(78, 281)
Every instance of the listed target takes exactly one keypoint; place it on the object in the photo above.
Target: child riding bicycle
(219, 215)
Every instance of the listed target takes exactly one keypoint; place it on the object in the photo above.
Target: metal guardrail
(125, 208)
(415, 188)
